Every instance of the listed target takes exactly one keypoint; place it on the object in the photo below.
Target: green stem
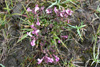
(61, 42)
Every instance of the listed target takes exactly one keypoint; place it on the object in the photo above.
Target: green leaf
(27, 29)
(78, 32)
(23, 37)
(2, 65)
(67, 1)
(55, 37)
(92, 63)
(58, 1)
(52, 5)
(98, 8)
(82, 26)
(72, 26)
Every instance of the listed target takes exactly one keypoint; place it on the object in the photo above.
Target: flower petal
(28, 9)
(59, 41)
(61, 14)
(66, 36)
(35, 32)
(38, 23)
(39, 60)
(48, 59)
(42, 8)
(56, 58)
(36, 8)
(33, 42)
(29, 33)
(48, 11)
(55, 10)
(69, 12)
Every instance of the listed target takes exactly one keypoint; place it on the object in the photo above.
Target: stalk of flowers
(35, 30)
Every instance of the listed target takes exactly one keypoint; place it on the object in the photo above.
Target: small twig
(94, 20)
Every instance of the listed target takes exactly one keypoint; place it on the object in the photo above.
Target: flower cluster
(47, 16)
(60, 13)
(48, 59)
(34, 32)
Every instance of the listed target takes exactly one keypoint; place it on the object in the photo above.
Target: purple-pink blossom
(42, 8)
(35, 32)
(55, 10)
(33, 42)
(66, 36)
(59, 41)
(40, 60)
(29, 34)
(69, 12)
(61, 14)
(48, 11)
(48, 59)
(56, 58)
(68, 20)
(38, 23)
(28, 9)
(33, 27)
(41, 44)
(36, 8)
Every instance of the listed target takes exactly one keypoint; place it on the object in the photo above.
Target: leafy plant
(95, 58)
(7, 7)
(78, 29)
(41, 25)
(3, 21)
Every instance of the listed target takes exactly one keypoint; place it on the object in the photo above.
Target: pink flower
(61, 14)
(41, 44)
(28, 9)
(55, 10)
(69, 12)
(48, 11)
(35, 32)
(68, 20)
(42, 8)
(40, 60)
(65, 36)
(63, 10)
(33, 42)
(36, 8)
(33, 27)
(48, 59)
(38, 23)
(66, 15)
(59, 41)
(56, 58)
(29, 34)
